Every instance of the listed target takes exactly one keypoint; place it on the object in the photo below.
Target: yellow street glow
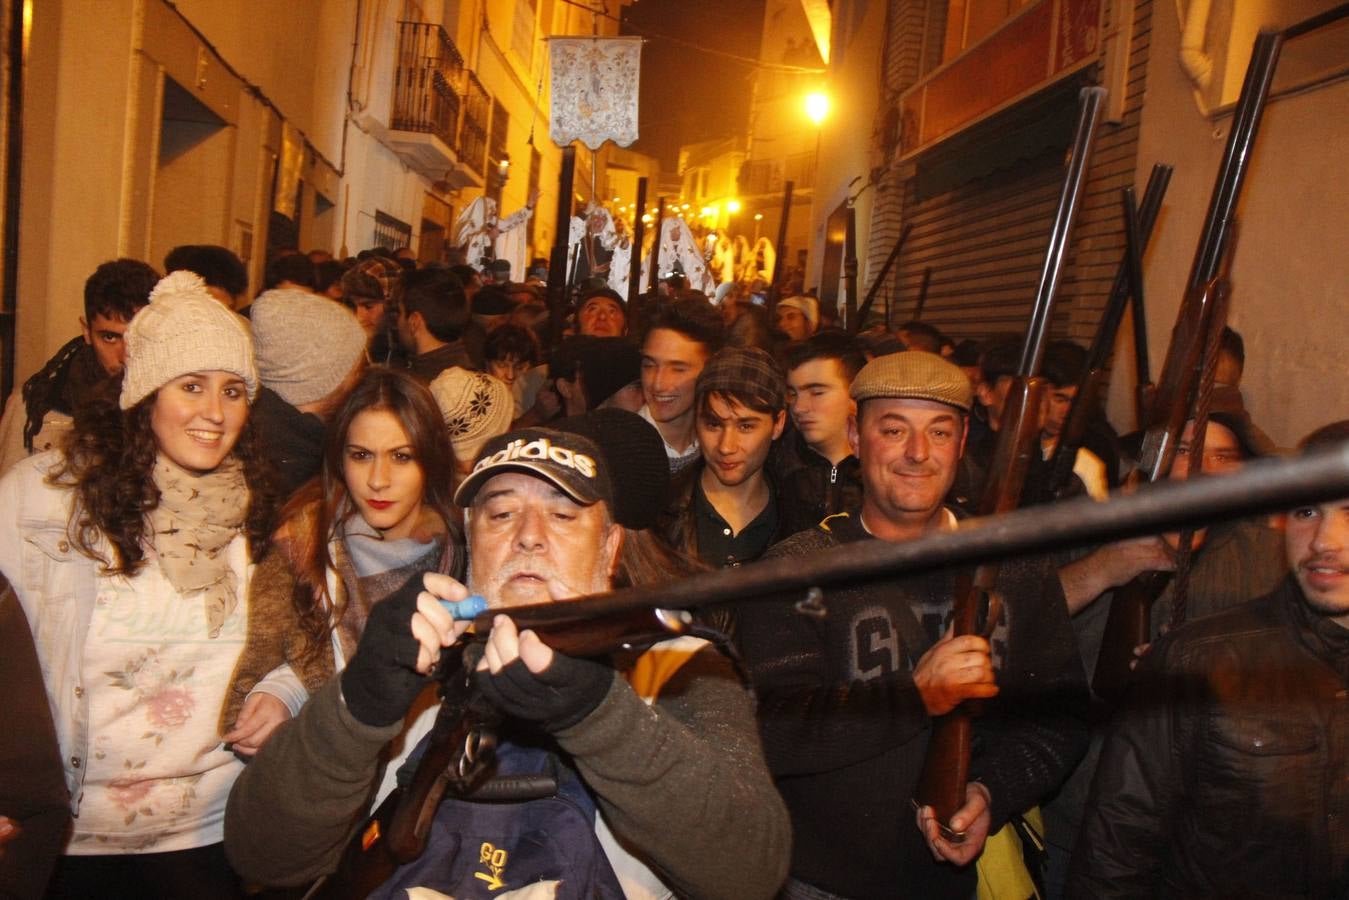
(817, 106)
(733, 206)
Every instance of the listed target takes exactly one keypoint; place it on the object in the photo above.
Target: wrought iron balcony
(473, 129)
(426, 120)
(429, 70)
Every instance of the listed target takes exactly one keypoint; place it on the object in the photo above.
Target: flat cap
(746, 372)
(913, 375)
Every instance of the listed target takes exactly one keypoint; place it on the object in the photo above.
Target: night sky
(688, 95)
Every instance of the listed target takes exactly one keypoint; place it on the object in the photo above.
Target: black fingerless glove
(556, 698)
(380, 680)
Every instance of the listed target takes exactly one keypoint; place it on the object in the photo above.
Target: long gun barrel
(557, 262)
(1186, 378)
(922, 294)
(780, 260)
(850, 268)
(865, 308)
(654, 278)
(1089, 384)
(1135, 242)
(641, 615)
(638, 236)
(1129, 621)
(946, 768)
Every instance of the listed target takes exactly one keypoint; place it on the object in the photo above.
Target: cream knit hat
(184, 329)
(475, 406)
(307, 344)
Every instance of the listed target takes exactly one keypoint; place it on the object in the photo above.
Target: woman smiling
(130, 552)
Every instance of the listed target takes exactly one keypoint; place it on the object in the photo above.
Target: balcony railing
(473, 129)
(429, 71)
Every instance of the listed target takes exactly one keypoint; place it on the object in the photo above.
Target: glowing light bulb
(817, 106)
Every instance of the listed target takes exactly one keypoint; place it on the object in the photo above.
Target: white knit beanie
(807, 306)
(307, 344)
(475, 406)
(184, 329)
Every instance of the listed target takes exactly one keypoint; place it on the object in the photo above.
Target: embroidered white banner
(594, 90)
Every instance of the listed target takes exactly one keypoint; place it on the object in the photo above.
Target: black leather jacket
(1228, 775)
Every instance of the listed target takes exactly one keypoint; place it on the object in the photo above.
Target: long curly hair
(315, 513)
(109, 458)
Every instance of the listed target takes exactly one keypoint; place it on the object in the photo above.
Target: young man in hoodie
(819, 474)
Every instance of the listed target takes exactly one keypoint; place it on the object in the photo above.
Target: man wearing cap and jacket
(1232, 562)
(846, 702)
(658, 755)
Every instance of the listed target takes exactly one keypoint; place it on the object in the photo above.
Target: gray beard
(596, 583)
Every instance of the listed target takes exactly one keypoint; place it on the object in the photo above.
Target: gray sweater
(682, 784)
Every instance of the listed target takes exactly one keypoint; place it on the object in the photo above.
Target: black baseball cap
(570, 462)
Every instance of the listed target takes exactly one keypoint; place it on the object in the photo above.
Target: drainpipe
(1197, 65)
(13, 151)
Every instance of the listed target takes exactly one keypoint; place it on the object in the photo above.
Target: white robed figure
(762, 259)
(723, 259)
(678, 245)
(620, 264)
(483, 236)
(598, 247)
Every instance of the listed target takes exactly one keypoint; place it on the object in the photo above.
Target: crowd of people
(242, 549)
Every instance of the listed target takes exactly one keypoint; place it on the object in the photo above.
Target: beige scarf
(195, 521)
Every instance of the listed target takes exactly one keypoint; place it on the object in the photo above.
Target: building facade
(970, 105)
(259, 125)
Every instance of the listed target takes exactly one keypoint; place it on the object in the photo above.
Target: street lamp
(817, 107)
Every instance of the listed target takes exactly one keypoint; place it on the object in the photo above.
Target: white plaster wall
(76, 96)
(845, 145)
(291, 50)
(1291, 269)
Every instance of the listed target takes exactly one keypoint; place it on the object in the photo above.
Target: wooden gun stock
(942, 782)
(1128, 625)
(1129, 622)
(941, 785)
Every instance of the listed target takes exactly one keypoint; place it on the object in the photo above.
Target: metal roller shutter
(985, 242)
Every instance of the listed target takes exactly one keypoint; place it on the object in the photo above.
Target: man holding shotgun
(1225, 775)
(846, 702)
(657, 754)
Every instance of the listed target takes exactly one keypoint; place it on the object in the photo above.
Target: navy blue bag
(485, 849)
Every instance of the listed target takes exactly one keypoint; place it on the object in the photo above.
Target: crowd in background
(289, 461)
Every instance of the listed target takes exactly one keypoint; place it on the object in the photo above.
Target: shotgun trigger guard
(990, 611)
(476, 754)
(950, 835)
(812, 604)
